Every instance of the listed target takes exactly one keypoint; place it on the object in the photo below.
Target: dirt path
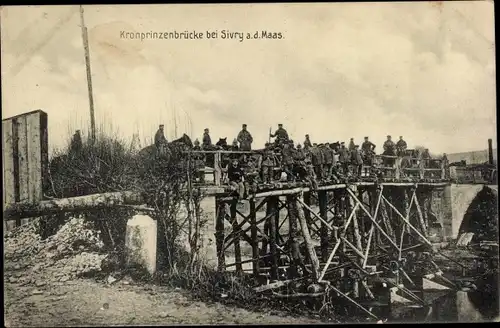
(84, 302)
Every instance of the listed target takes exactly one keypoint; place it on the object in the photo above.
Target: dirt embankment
(84, 302)
(44, 287)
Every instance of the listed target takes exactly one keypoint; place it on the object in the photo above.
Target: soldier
(207, 141)
(425, 157)
(401, 146)
(368, 151)
(160, 141)
(310, 174)
(299, 162)
(76, 144)
(357, 160)
(351, 144)
(235, 147)
(287, 160)
(445, 165)
(268, 164)
(389, 150)
(307, 143)
(245, 139)
(280, 134)
(251, 174)
(328, 154)
(344, 158)
(199, 161)
(317, 161)
(236, 178)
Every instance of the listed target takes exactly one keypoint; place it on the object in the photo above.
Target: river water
(448, 306)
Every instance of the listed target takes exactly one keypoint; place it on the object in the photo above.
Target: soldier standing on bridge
(281, 135)
(235, 176)
(268, 164)
(356, 160)
(328, 155)
(317, 161)
(368, 150)
(389, 150)
(344, 158)
(351, 144)
(199, 161)
(287, 159)
(401, 146)
(299, 158)
(307, 143)
(245, 139)
(161, 141)
(207, 141)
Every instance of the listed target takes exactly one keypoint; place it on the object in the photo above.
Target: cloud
(343, 70)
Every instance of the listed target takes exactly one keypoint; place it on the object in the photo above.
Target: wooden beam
(73, 204)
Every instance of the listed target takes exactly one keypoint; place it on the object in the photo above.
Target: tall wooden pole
(89, 75)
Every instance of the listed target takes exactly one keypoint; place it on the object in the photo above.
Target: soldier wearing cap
(344, 158)
(199, 161)
(368, 151)
(328, 155)
(234, 146)
(351, 144)
(318, 161)
(76, 144)
(287, 159)
(245, 139)
(357, 160)
(268, 164)
(236, 177)
(280, 134)
(307, 143)
(401, 146)
(389, 150)
(206, 141)
(161, 141)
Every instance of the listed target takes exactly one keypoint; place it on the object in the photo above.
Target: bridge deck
(291, 187)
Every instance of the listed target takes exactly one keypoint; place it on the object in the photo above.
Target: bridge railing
(473, 175)
(391, 167)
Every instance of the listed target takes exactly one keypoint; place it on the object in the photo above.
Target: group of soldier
(285, 161)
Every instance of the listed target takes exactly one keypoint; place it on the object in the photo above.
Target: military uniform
(245, 139)
(206, 141)
(401, 147)
(287, 160)
(389, 150)
(268, 164)
(328, 154)
(300, 162)
(344, 159)
(161, 142)
(307, 143)
(235, 176)
(199, 162)
(357, 160)
(317, 161)
(281, 136)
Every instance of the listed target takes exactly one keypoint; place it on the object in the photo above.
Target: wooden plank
(8, 163)
(35, 192)
(22, 130)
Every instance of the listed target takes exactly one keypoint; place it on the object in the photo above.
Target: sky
(423, 70)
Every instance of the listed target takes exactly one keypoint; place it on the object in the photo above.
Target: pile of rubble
(75, 250)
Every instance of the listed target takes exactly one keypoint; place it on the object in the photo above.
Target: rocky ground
(45, 286)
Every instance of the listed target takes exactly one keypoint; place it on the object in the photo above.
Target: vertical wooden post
(308, 241)
(292, 234)
(219, 234)
(362, 223)
(323, 201)
(236, 232)
(89, 74)
(217, 169)
(357, 236)
(255, 242)
(307, 201)
(272, 206)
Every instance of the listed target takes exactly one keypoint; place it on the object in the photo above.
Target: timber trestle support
(345, 239)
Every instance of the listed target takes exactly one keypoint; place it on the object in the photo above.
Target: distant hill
(472, 157)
